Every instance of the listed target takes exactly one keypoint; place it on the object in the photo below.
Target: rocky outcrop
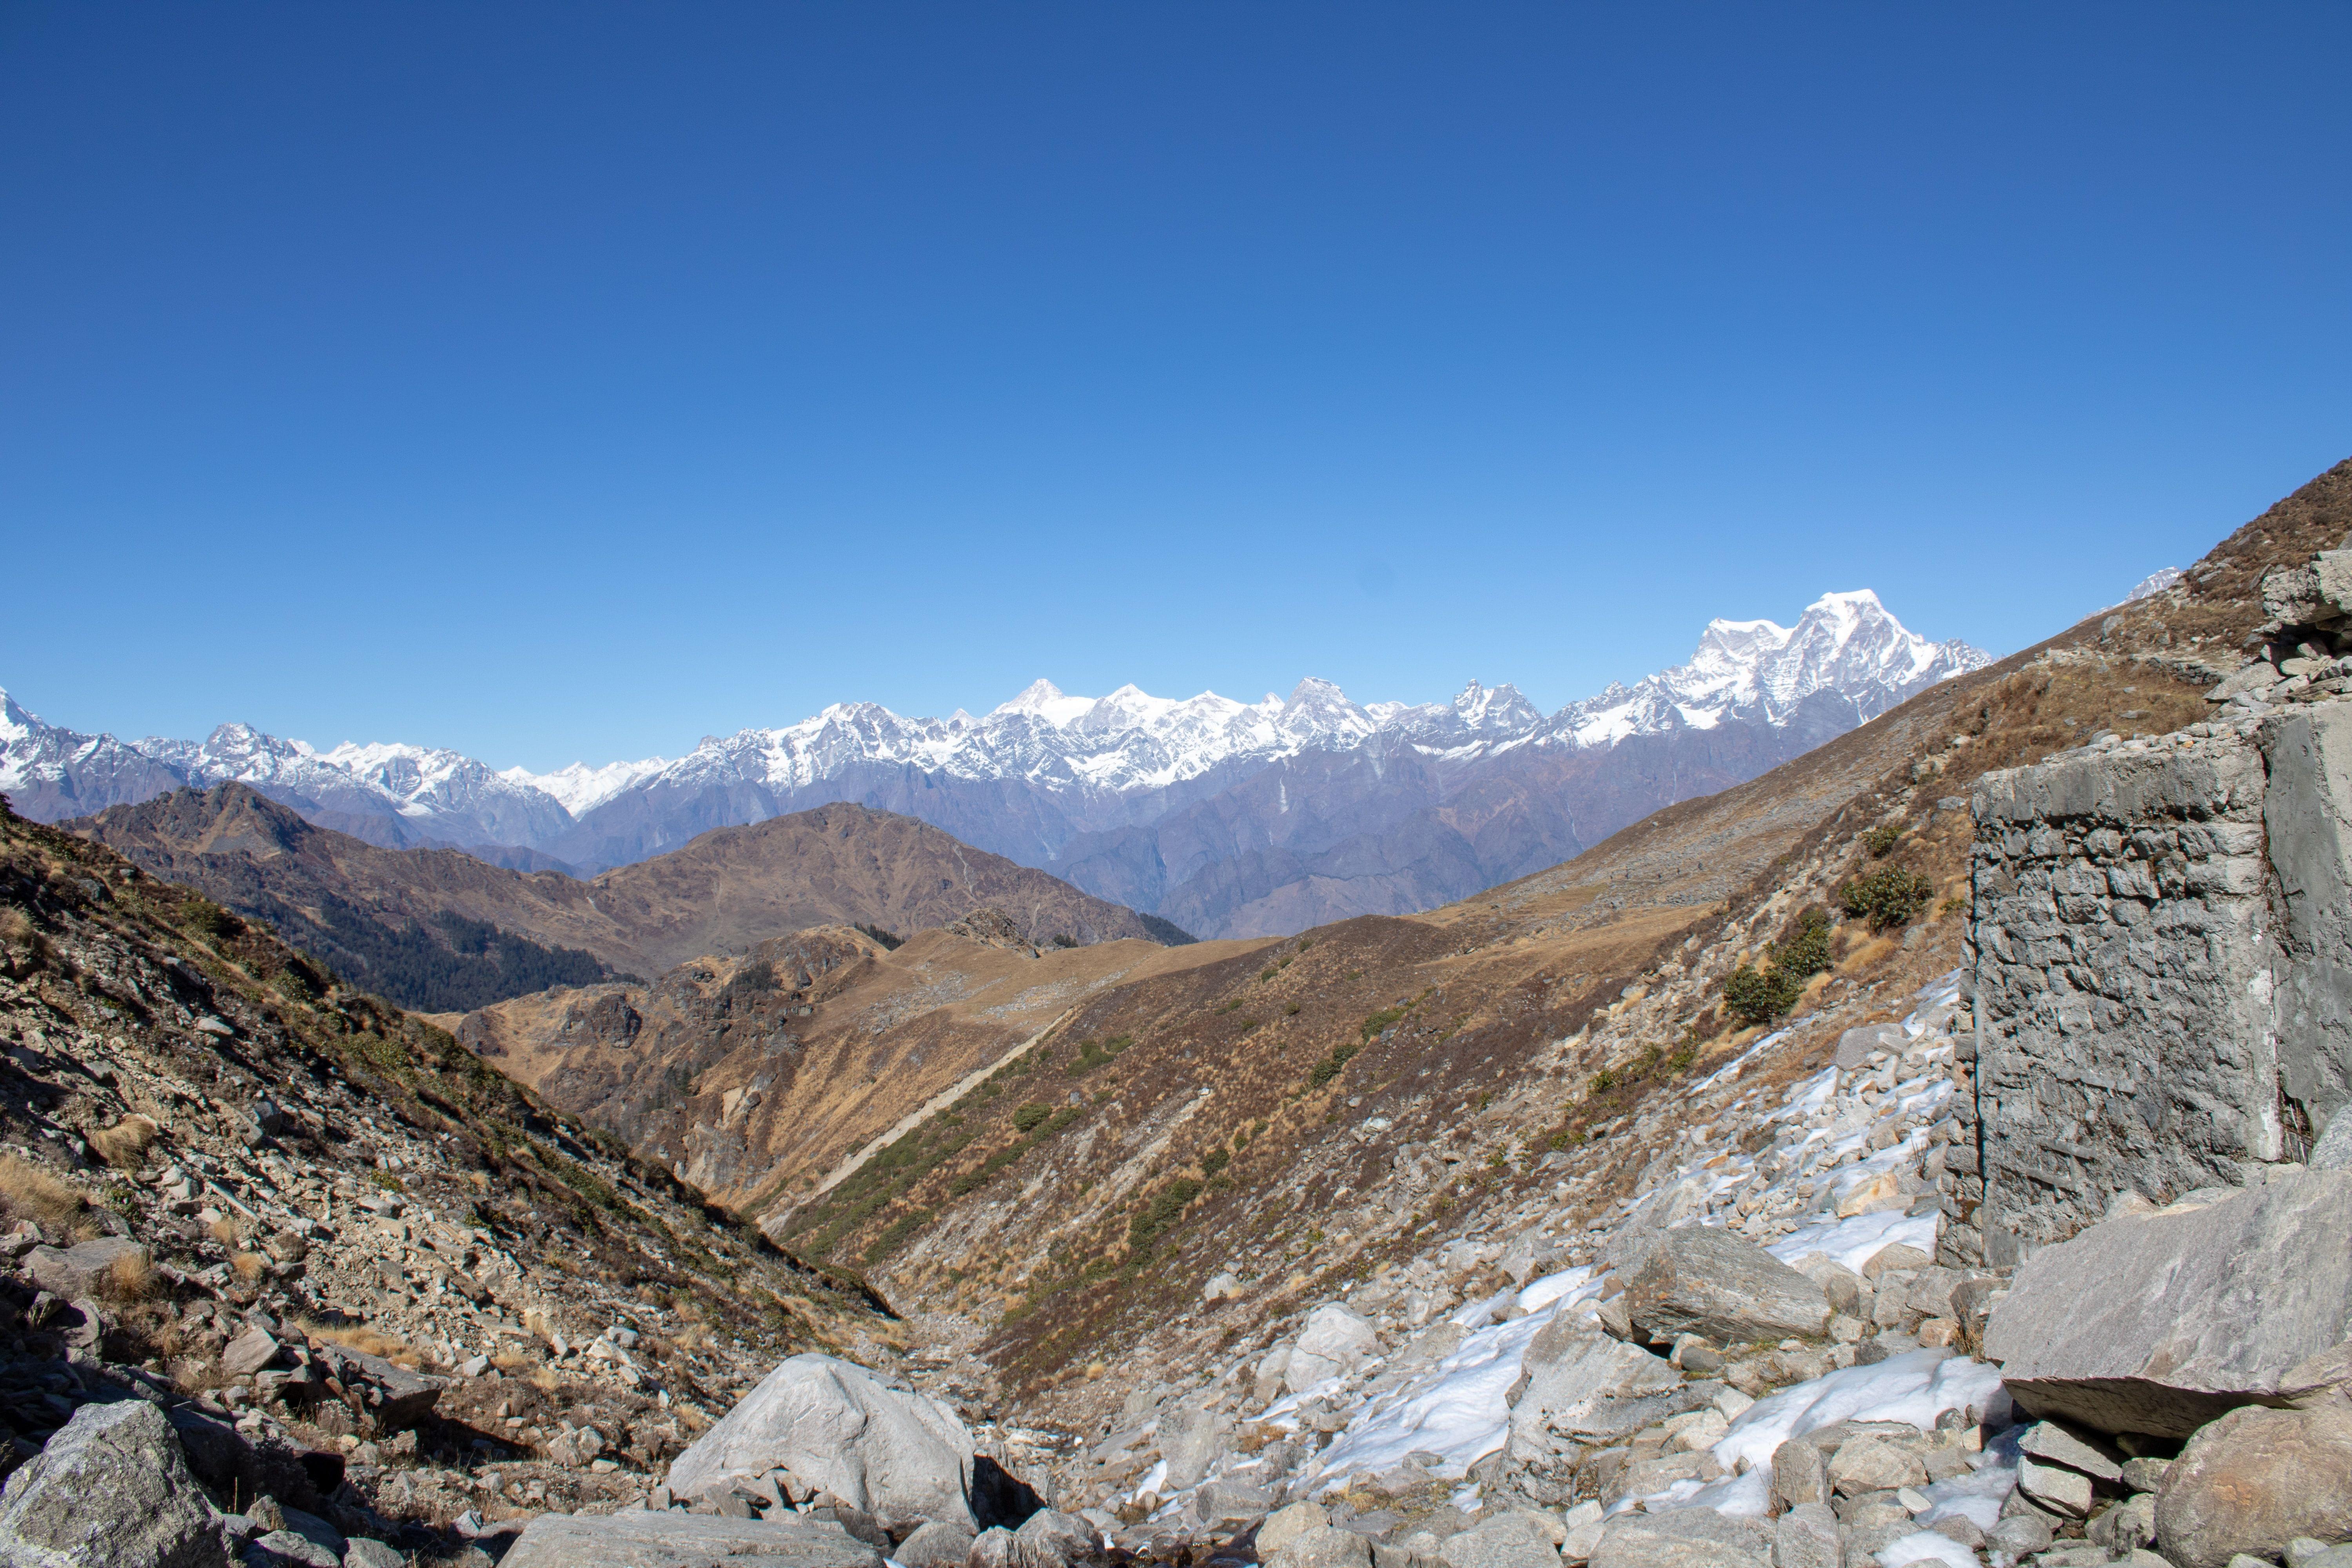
(2159, 1323)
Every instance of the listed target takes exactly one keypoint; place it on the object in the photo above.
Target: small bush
(1890, 896)
(1147, 1222)
(208, 918)
(1756, 995)
(1880, 840)
(1216, 1160)
(1291, 1011)
(1026, 1118)
(1327, 1069)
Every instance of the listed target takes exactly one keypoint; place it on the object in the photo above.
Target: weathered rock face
(2122, 981)
(110, 1488)
(898, 1456)
(2255, 1480)
(1706, 1281)
(641, 1539)
(2160, 1324)
(2308, 815)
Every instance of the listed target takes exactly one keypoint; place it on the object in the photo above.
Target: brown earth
(721, 893)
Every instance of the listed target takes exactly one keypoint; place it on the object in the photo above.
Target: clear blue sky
(570, 382)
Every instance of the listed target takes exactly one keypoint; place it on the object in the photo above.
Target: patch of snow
(1914, 1387)
(1854, 1242)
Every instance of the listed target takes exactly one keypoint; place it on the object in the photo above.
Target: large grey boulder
(110, 1489)
(1706, 1281)
(1191, 1439)
(1569, 1368)
(1684, 1538)
(896, 1455)
(644, 1539)
(2259, 1477)
(1336, 1339)
(2161, 1324)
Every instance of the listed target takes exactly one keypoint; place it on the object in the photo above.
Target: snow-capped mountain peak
(1846, 651)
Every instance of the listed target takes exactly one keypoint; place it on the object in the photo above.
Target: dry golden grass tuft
(228, 1232)
(363, 1338)
(124, 1145)
(250, 1266)
(30, 1192)
(14, 925)
(1868, 955)
(128, 1278)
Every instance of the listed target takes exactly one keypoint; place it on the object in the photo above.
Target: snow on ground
(1458, 1409)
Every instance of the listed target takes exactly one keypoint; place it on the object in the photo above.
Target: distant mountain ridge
(1228, 818)
(440, 930)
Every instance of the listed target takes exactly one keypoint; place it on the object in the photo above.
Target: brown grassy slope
(760, 1075)
(106, 948)
(1508, 1003)
(722, 892)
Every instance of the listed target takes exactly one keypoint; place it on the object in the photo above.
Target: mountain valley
(1567, 1223)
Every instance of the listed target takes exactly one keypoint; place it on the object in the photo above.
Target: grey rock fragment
(2160, 1324)
(640, 1538)
(1048, 1539)
(1800, 1476)
(2256, 1479)
(1806, 1537)
(1706, 1281)
(935, 1544)
(1684, 1538)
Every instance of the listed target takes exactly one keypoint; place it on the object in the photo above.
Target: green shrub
(1026, 1117)
(1327, 1069)
(1880, 840)
(1889, 895)
(1149, 1222)
(1216, 1160)
(1371, 1026)
(1756, 995)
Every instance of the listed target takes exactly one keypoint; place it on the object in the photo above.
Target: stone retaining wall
(2161, 945)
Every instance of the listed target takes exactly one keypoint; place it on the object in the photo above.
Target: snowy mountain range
(1154, 802)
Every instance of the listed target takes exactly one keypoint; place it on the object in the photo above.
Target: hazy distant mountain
(442, 931)
(1228, 818)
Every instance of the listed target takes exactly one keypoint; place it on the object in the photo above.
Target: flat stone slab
(640, 1538)
(2161, 1324)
